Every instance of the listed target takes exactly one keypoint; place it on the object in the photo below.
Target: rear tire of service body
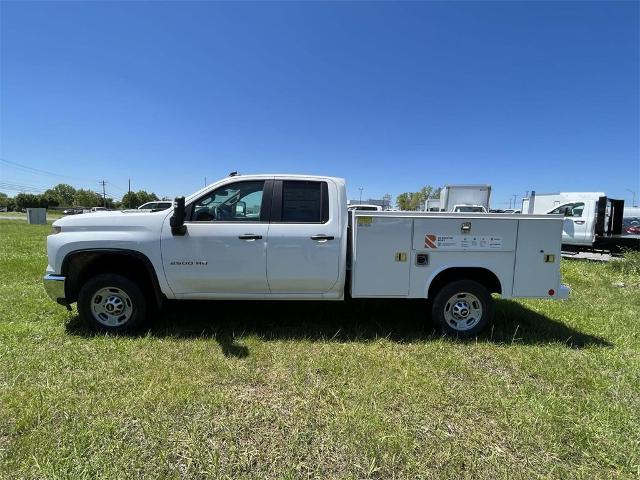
(463, 308)
(111, 303)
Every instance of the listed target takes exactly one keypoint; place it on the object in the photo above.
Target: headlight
(55, 230)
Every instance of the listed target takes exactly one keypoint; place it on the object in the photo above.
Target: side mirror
(177, 219)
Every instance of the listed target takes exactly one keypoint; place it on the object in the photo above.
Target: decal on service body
(473, 242)
(365, 221)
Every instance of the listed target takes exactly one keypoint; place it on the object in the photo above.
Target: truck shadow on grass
(354, 321)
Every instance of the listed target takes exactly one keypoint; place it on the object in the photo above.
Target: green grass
(51, 214)
(319, 390)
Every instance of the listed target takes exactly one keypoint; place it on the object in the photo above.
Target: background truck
(288, 237)
(592, 222)
(455, 197)
(432, 205)
(545, 202)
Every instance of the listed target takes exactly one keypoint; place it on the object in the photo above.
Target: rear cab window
(301, 201)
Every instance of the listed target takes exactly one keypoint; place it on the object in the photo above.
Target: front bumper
(564, 291)
(54, 286)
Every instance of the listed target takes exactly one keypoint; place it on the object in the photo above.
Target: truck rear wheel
(463, 308)
(111, 303)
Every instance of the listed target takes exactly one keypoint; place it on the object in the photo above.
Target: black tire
(124, 297)
(448, 308)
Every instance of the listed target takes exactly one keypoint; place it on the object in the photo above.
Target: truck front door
(303, 250)
(224, 248)
(576, 229)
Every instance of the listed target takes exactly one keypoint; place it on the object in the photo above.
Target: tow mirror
(177, 219)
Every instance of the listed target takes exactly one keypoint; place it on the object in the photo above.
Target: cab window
(569, 209)
(302, 202)
(236, 202)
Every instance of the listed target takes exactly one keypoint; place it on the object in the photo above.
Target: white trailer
(452, 196)
(290, 237)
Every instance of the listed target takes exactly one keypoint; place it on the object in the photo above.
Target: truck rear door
(303, 247)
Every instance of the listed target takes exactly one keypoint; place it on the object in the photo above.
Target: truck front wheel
(463, 308)
(112, 303)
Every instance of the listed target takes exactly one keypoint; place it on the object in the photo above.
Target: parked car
(469, 209)
(370, 208)
(98, 209)
(631, 225)
(156, 206)
(73, 211)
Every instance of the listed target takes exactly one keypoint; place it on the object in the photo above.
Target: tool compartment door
(381, 256)
(534, 273)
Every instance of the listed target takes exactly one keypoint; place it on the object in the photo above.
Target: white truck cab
(595, 224)
(291, 237)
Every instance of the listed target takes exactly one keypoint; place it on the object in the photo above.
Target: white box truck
(465, 198)
(290, 237)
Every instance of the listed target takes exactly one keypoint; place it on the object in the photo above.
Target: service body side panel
(488, 243)
(444, 241)
(382, 248)
(535, 271)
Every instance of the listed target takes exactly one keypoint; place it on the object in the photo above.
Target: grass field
(319, 390)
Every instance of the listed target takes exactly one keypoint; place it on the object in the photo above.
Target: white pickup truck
(290, 237)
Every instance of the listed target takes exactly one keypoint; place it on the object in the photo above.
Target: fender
(434, 275)
(96, 252)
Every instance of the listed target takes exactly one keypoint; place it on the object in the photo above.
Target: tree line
(63, 195)
(416, 200)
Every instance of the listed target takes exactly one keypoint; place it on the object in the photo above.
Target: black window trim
(276, 203)
(265, 207)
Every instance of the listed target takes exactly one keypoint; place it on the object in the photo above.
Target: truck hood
(126, 220)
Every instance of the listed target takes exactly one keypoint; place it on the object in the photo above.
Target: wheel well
(481, 275)
(80, 266)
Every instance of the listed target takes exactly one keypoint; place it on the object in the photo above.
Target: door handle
(250, 236)
(321, 237)
(579, 222)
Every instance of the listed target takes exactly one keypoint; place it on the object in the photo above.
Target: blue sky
(391, 96)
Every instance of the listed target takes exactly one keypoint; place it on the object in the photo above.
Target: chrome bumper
(54, 286)
(564, 291)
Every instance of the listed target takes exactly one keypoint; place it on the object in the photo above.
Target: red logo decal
(430, 241)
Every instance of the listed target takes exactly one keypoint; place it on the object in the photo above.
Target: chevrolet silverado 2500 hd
(291, 237)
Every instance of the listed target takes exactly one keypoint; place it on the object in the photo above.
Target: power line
(117, 187)
(29, 169)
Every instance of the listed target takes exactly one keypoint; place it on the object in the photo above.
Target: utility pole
(360, 188)
(515, 195)
(129, 196)
(104, 195)
(633, 198)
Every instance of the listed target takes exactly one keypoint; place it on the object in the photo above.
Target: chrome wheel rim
(111, 306)
(463, 311)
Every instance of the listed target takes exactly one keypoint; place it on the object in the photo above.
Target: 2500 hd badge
(190, 263)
